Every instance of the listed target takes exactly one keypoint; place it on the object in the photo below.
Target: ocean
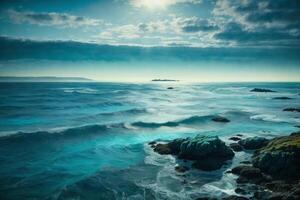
(90, 140)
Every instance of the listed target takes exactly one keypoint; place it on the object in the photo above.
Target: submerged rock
(253, 143)
(261, 90)
(291, 109)
(280, 158)
(220, 119)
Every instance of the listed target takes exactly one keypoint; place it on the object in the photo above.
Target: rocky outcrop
(280, 158)
(274, 172)
(261, 90)
(253, 143)
(220, 119)
(207, 152)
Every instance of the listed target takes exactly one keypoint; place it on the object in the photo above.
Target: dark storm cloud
(253, 22)
(276, 13)
(16, 49)
(272, 37)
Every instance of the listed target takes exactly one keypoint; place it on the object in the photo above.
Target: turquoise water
(89, 140)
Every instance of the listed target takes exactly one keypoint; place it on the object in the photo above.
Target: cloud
(235, 32)
(161, 33)
(194, 24)
(51, 19)
(161, 3)
(253, 22)
(265, 13)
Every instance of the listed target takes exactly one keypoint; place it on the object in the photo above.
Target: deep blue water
(89, 140)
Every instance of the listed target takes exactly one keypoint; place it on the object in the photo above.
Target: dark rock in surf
(253, 143)
(234, 197)
(240, 191)
(291, 109)
(248, 174)
(162, 149)
(207, 152)
(204, 146)
(261, 90)
(209, 164)
(282, 98)
(220, 119)
(181, 169)
(295, 133)
(247, 162)
(175, 145)
(206, 198)
(236, 147)
(170, 88)
(152, 143)
(235, 138)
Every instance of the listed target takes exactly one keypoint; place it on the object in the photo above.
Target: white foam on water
(82, 90)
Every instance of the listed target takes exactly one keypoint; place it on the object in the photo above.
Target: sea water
(89, 140)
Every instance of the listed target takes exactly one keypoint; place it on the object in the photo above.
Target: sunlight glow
(152, 4)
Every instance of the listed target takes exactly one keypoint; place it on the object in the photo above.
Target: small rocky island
(272, 173)
(164, 80)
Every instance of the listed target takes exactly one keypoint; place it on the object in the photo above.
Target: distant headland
(43, 79)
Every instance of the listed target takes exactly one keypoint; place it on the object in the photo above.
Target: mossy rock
(280, 158)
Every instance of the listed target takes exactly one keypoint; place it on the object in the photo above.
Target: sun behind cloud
(152, 4)
(160, 4)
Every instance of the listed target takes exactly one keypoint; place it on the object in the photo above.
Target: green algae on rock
(280, 158)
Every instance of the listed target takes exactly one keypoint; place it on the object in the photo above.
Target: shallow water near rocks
(89, 140)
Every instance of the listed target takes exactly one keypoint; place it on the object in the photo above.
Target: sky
(139, 40)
